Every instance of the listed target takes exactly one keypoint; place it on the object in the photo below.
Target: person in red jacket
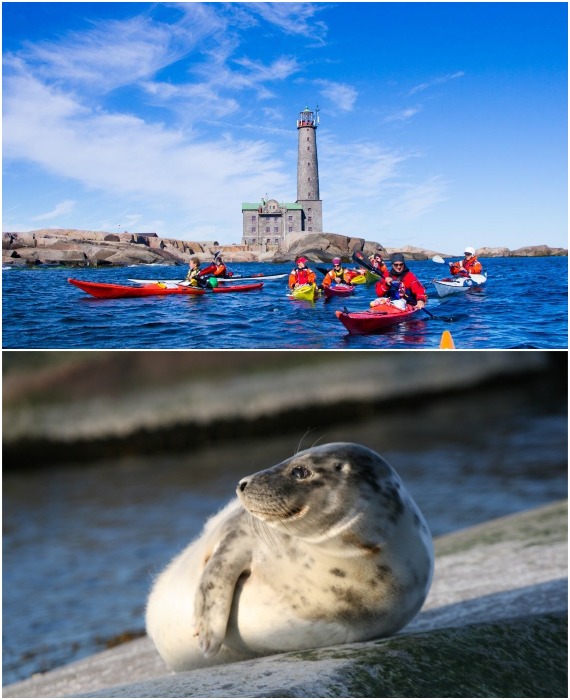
(338, 275)
(400, 283)
(468, 266)
(301, 274)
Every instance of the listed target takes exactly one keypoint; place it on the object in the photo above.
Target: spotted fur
(324, 548)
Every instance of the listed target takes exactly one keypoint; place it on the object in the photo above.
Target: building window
(309, 210)
(267, 229)
(308, 148)
(310, 228)
(276, 229)
(309, 218)
(290, 229)
(290, 218)
(253, 218)
(253, 229)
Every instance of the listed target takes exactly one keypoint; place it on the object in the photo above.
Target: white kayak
(454, 285)
(235, 278)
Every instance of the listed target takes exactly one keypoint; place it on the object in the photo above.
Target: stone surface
(89, 248)
(494, 625)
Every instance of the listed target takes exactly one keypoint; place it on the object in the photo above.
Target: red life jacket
(302, 276)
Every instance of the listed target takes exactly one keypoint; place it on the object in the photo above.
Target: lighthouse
(308, 171)
(268, 222)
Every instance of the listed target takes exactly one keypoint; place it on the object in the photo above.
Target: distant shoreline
(76, 248)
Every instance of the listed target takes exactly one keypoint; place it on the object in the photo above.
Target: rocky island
(77, 248)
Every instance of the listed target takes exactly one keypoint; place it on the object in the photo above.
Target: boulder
(321, 247)
(493, 253)
(136, 256)
(19, 240)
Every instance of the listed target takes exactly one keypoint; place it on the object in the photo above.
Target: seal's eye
(300, 473)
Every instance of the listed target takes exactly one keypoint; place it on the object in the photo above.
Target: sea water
(523, 305)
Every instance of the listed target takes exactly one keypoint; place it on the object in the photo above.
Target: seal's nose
(242, 484)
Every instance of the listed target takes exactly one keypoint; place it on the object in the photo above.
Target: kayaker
(301, 274)
(196, 277)
(377, 262)
(338, 275)
(400, 283)
(468, 266)
(221, 270)
(193, 274)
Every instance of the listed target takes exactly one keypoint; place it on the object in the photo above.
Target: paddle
(478, 279)
(358, 257)
(445, 319)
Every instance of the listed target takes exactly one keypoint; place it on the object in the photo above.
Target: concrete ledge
(494, 624)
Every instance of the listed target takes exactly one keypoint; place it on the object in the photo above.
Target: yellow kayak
(359, 279)
(371, 277)
(307, 292)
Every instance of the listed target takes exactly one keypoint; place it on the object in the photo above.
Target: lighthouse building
(266, 223)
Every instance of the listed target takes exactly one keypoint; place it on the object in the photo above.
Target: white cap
(469, 249)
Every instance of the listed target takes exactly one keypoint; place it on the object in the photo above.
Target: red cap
(302, 260)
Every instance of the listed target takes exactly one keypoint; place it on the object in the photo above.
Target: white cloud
(368, 189)
(436, 81)
(403, 115)
(416, 199)
(125, 157)
(62, 208)
(340, 95)
(115, 53)
(293, 18)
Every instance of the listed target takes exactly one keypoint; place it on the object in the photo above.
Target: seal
(325, 548)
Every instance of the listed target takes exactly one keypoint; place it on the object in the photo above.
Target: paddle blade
(479, 279)
(438, 259)
(446, 342)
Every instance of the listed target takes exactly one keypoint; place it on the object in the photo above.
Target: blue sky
(442, 124)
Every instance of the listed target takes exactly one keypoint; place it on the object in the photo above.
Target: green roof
(250, 206)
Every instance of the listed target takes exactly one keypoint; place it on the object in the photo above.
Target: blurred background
(113, 460)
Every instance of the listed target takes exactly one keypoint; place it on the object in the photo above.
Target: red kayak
(378, 318)
(102, 290)
(338, 290)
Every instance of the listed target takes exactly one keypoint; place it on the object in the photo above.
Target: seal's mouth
(292, 514)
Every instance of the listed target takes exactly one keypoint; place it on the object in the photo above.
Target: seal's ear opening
(342, 467)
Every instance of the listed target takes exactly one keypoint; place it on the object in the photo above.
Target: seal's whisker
(306, 433)
(330, 536)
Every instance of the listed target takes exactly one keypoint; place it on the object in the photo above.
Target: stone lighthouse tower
(308, 171)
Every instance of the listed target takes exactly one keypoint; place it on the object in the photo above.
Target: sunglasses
(397, 264)
(466, 254)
